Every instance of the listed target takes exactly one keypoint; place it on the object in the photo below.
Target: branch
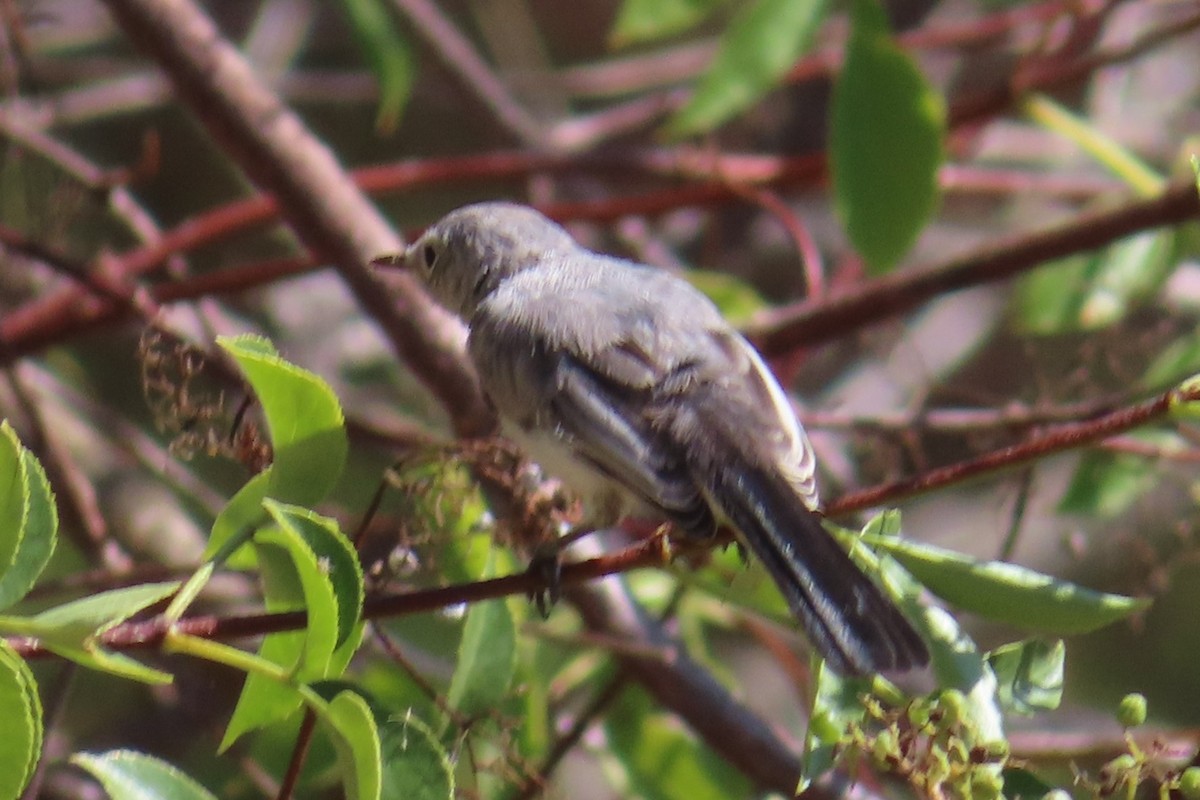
(649, 552)
(316, 197)
(804, 324)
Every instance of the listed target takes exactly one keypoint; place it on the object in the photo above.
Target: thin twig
(458, 55)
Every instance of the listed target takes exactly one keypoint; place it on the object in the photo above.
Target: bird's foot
(546, 568)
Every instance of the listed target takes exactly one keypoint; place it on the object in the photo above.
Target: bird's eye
(430, 254)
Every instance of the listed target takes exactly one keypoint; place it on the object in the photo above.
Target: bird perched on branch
(626, 383)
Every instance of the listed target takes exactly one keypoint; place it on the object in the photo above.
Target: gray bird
(627, 384)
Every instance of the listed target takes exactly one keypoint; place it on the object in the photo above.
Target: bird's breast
(605, 500)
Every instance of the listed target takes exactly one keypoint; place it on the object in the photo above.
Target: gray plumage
(627, 383)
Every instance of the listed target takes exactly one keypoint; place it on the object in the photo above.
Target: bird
(628, 385)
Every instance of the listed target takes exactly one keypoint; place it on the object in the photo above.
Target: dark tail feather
(855, 627)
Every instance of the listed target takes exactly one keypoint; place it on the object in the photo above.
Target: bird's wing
(596, 387)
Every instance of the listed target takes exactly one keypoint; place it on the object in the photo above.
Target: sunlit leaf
(128, 775)
(21, 710)
(307, 431)
(356, 740)
(28, 518)
(1009, 593)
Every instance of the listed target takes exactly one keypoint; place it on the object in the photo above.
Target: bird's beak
(390, 261)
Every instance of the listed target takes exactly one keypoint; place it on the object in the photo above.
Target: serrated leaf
(487, 659)
(28, 518)
(14, 493)
(307, 431)
(356, 740)
(1107, 483)
(21, 710)
(759, 46)
(415, 765)
(335, 558)
(1029, 675)
(641, 21)
(264, 701)
(73, 630)
(389, 54)
(91, 616)
(129, 775)
(1008, 593)
(293, 578)
(885, 144)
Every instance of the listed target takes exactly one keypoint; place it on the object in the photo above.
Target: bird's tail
(856, 628)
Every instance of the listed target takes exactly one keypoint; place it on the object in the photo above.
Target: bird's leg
(546, 561)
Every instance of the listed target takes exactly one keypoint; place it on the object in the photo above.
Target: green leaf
(738, 300)
(21, 710)
(885, 143)
(1048, 300)
(1106, 483)
(836, 706)
(28, 518)
(487, 659)
(1021, 784)
(1128, 272)
(1094, 290)
(91, 616)
(188, 593)
(336, 560)
(1181, 406)
(1029, 675)
(649, 20)
(1108, 152)
(307, 433)
(14, 494)
(241, 514)
(1175, 361)
(760, 45)
(73, 630)
(1009, 593)
(415, 765)
(956, 660)
(356, 740)
(390, 56)
(293, 578)
(128, 775)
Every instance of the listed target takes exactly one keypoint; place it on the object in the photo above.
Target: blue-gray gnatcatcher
(626, 383)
